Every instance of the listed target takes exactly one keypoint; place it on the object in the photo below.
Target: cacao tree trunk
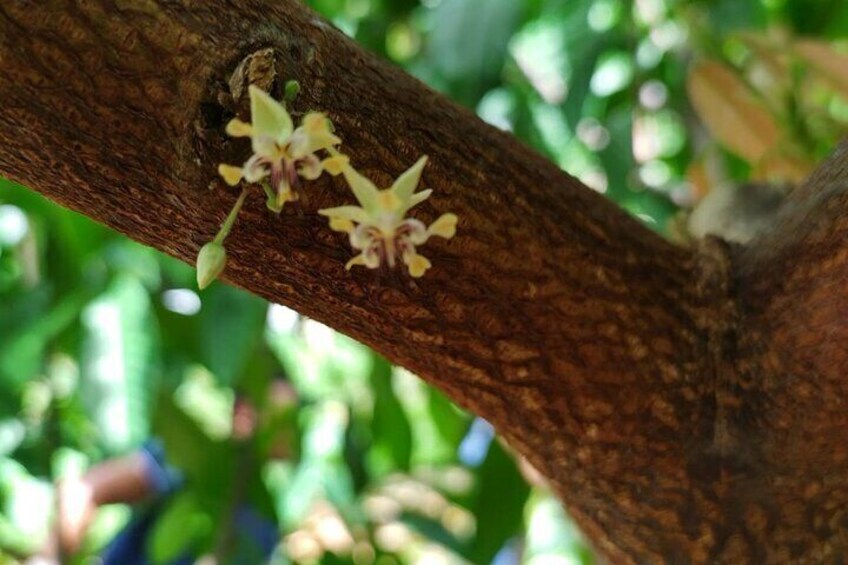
(687, 405)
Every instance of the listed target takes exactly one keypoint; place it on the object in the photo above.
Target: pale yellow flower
(281, 153)
(378, 227)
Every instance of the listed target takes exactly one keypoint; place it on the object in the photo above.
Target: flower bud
(292, 89)
(210, 263)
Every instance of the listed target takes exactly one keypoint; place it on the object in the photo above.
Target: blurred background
(674, 109)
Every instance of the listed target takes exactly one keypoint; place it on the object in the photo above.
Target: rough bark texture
(687, 405)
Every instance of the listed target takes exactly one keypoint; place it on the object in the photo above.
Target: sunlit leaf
(118, 363)
(437, 426)
(23, 499)
(108, 522)
(551, 536)
(207, 403)
(321, 473)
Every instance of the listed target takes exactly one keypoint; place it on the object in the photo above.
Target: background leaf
(118, 361)
(730, 112)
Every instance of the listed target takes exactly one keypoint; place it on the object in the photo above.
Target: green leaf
(469, 43)
(437, 425)
(182, 527)
(206, 463)
(501, 497)
(231, 326)
(451, 422)
(118, 363)
(550, 533)
(617, 157)
(34, 324)
(322, 473)
(391, 448)
(22, 501)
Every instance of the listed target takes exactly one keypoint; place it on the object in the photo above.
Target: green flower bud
(292, 89)
(210, 263)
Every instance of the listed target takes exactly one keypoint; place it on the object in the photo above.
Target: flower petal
(279, 177)
(354, 213)
(316, 122)
(264, 146)
(416, 199)
(310, 167)
(285, 194)
(406, 184)
(414, 230)
(444, 226)
(358, 260)
(336, 164)
(363, 189)
(269, 116)
(342, 224)
(298, 146)
(321, 141)
(255, 169)
(317, 128)
(238, 128)
(418, 264)
(231, 175)
(388, 201)
(366, 237)
(371, 257)
(290, 195)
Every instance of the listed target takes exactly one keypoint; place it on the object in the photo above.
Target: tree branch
(599, 350)
(790, 390)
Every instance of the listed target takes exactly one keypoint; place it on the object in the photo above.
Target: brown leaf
(829, 64)
(698, 176)
(730, 111)
(782, 166)
(770, 53)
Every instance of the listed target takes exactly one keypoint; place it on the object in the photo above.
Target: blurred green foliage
(104, 343)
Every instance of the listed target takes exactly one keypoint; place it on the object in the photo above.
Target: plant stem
(231, 218)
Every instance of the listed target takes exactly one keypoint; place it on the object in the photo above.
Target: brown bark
(687, 405)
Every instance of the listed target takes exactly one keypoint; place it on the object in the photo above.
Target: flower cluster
(283, 155)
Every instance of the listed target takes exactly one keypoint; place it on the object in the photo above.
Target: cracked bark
(686, 405)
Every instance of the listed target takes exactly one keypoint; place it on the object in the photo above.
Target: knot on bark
(259, 69)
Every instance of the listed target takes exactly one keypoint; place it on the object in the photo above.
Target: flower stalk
(213, 256)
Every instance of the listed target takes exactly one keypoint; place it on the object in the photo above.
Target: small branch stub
(257, 69)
